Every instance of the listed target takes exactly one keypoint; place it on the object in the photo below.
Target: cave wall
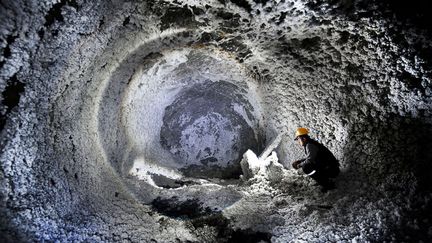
(357, 76)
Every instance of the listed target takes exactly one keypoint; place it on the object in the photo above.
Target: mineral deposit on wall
(128, 120)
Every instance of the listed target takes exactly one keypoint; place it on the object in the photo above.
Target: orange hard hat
(301, 131)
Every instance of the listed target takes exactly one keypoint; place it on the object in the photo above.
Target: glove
(296, 164)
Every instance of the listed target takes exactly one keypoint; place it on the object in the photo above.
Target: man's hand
(296, 164)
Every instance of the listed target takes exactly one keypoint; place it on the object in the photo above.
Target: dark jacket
(318, 157)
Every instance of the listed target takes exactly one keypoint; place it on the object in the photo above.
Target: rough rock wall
(75, 123)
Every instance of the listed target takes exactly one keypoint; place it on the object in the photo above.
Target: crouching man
(320, 164)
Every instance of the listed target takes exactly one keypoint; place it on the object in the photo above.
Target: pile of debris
(265, 166)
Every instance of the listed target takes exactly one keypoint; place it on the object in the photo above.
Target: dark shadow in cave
(201, 217)
(10, 231)
(399, 163)
(224, 233)
(11, 97)
(175, 208)
(401, 146)
(416, 11)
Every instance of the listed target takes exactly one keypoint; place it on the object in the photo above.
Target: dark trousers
(322, 175)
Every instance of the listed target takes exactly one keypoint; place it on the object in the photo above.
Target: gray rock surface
(86, 85)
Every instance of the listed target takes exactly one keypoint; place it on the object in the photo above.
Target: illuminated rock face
(206, 128)
(121, 120)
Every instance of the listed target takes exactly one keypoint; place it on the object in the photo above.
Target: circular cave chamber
(133, 121)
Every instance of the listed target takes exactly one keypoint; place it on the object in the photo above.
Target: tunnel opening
(208, 127)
